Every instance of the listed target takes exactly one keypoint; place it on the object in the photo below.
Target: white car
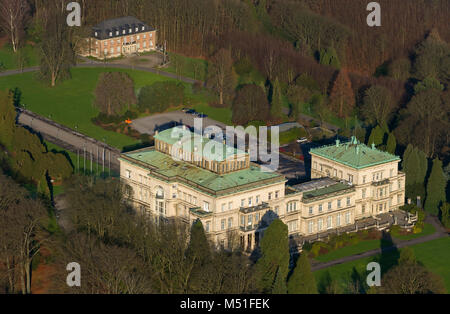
(302, 140)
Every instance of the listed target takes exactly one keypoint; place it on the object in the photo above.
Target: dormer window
(143, 27)
(117, 32)
(123, 32)
(96, 34)
(130, 30)
(110, 34)
(137, 29)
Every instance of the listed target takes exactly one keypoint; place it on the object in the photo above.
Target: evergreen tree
(279, 286)
(328, 56)
(274, 260)
(435, 188)
(376, 136)
(276, 105)
(198, 255)
(7, 119)
(391, 144)
(302, 280)
(445, 215)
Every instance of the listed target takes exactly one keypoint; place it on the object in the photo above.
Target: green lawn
(434, 254)
(358, 248)
(70, 102)
(369, 245)
(220, 114)
(190, 67)
(427, 230)
(9, 61)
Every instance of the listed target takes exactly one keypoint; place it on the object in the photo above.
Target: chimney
(338, 142)
(373, 145)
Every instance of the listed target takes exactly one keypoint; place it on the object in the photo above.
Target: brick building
(120, 37)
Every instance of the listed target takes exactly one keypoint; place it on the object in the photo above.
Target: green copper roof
(212, 150)
(354, 154)
(164, 165)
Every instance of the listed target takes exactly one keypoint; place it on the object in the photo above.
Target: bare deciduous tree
(13, 17)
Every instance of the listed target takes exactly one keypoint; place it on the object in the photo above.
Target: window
(242, 220)
(112, 50)
(222, 224)
(320, 208)
(329, 205)
(310, 227)
(348, 201)
(380, 207)
(230, 222)
(290, 207)
(319, 225)
(364, 193)
(110, 34)
(117, 32)
(250, 220)
(206, 206)
(257, 199)
(334, 173)
(276, 194)
(151, 35)
(292, 226)
(329, 222)
(350, 178)
(143, 27)
(250, 200)
(138, 37)
(341, 174)
(207, 226)
(123, 32)
(339, 203)
(277, 208)
(399, 184)
(230, 205)
(128, 174)
(242, 202)
(256, 218)
(310, 210)
(96, 34)
(145, 45)
(151, 43)
(364, 179)
(338, 220)
(195, 201)
(347, 218)
(363, 208)
(270, 195)
(315, 165)
(145, 36)
(130, 30)
(223, 207)
(138, 46)
(136, 29)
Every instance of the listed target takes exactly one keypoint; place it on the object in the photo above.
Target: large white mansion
(236, 200)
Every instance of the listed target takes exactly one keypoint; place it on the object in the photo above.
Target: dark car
(202, 115)
(191, 111)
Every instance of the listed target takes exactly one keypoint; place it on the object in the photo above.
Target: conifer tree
(274, 260)
(302, 279)
(279, 286)
(435, 188)
(276, 104)
(391, 144)
(342, 97)
(376, 136)
(7, 118)
(198, 255)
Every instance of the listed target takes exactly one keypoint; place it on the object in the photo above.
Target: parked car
(302, 140)
(191, 111)
(185, 109)
(202, 115)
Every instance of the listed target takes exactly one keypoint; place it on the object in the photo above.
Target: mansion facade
(120, 37)
(236, 200)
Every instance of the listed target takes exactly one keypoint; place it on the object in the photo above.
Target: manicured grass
(220, 114)
(9, 59)
(368, 245)
(358, 248)
(433, 254)
(190, 67)
(70, 102)
(427, 230)
(292, 135)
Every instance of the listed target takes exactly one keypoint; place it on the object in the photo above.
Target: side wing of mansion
(118, 37)
(236, 200)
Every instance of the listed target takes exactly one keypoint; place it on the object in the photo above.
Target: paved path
(440, 233)
(71, 140)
